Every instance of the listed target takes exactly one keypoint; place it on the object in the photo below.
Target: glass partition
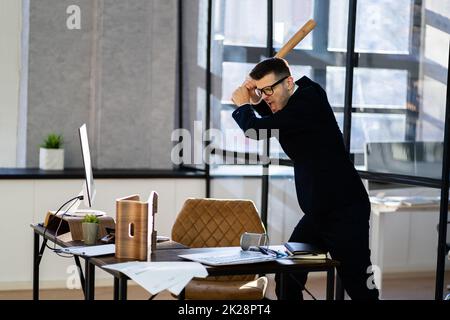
(284, 210)
(397, 115)
(399, 87)
(223, 187)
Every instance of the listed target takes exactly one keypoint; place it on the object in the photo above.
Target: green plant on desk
(91, 218)
(53, 141)
(90, 226)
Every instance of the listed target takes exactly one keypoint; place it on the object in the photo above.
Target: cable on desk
(57, 251)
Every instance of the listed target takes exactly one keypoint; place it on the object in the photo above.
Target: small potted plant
(51, 153)
(90, 227)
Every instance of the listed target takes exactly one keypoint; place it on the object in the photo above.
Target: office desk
(282, 265)
(87, 280)
(169, 251)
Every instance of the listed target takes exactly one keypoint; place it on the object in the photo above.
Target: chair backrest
(215, 222)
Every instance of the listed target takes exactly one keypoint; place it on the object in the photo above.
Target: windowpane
(372, 88)
(431, 88)
(411, 88)
(237, 187)
(438, 6)
(233, 75)
(398, 96)
(284, 210)
(245, 22)
(289, 16)
(300, 71)
(237, 170)
(233, 137)
(432, 113)
(374, 128)
(435, 38)
(337, 25)
(382, 26)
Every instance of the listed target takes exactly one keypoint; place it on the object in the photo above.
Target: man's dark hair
(272, 65)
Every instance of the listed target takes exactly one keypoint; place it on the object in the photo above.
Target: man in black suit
(329, 189)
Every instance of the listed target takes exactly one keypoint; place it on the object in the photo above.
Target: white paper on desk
(158, 276)
(176, 289)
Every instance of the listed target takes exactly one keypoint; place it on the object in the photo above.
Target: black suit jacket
(325, 177)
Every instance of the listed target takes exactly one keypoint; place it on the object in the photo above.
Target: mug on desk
(251, 241)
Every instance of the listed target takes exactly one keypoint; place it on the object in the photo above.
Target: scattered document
(158, 276)
(91, 251)
(410, 201)
(418, 201)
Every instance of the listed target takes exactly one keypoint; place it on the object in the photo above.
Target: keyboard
(220, 258)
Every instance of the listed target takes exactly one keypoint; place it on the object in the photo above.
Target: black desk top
(49, 235)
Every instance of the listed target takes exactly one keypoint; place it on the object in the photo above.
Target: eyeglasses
(268, 91)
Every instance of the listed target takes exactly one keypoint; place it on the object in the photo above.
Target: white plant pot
(51, 159)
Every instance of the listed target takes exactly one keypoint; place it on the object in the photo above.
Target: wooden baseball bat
(296, 38)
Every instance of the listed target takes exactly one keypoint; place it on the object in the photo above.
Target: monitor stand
(73, 211)
(84, 212)
(72, 223)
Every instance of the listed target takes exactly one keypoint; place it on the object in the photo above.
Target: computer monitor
(88, 186)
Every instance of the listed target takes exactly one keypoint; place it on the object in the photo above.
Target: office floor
(417, 286)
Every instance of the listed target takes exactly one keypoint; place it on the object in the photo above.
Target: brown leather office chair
(219, 223)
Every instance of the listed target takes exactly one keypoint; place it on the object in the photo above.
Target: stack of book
(300, 250)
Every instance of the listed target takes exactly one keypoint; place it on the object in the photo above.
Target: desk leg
(36, 262)
(37, 256)
(282, 286)
(339, 289)
(116, 289)
(80, 272)
(90, 280)
(330, 283)
(122, 288)
(182, 295)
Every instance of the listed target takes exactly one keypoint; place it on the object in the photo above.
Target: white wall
(23, 202)
(10, 35)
